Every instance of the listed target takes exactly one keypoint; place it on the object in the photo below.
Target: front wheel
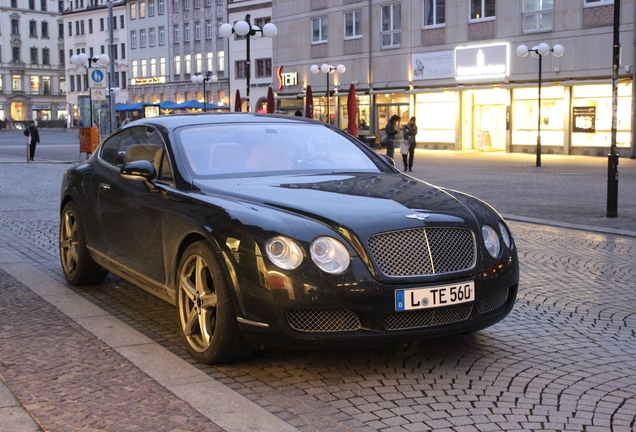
(78, 266)
(206, 313)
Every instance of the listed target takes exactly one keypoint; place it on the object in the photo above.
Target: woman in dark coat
(391, 131)
(32, 131)
(410, 130)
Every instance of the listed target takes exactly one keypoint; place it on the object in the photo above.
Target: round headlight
(330, 255)
(284, 252)
(491, 240)
(505, 236)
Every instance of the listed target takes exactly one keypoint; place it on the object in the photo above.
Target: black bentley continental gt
(282, 231)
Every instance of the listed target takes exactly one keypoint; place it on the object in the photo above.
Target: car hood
(349, 199)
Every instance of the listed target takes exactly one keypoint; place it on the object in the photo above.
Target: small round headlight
(330, 255)
(284, 252)
(491, 240)
(505, 236)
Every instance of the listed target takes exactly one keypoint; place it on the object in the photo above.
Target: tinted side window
(109, 149)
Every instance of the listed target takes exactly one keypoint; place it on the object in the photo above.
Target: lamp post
(198, 79)
(538, 52)
(328, 69)
(245, 28)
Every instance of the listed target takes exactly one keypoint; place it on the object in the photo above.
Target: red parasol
(352, 111)
(309, 103)
(237, 101)
(271, 104)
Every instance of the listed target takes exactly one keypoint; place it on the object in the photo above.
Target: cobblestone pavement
(565, 359)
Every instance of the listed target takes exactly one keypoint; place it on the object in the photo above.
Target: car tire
(78, 266)
(205, 308)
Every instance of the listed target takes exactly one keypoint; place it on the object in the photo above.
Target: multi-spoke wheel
(77, 264)
(205, 308)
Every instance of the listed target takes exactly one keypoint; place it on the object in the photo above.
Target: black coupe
(282, 231)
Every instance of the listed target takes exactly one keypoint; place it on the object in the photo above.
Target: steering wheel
(309, 161)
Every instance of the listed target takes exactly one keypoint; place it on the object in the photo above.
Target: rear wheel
(78, 266)
(206, 313)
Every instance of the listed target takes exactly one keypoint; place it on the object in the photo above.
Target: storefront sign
(433, 65)
(584, 119)
(41, 107)
(286, 79)
(61, 107)
(151, 80)
(480, 62)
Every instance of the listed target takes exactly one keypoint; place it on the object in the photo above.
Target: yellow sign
(151, 80)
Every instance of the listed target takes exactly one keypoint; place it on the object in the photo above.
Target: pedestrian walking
(391, 131)
(410, 130)
(33, 137)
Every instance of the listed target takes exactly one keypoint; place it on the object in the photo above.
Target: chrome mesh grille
(311, 320)
(427, 317)
(424, 251)
(494, 301)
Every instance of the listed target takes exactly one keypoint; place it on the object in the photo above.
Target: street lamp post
(245, 28)
(538, 52)
(198, 79)
(327, 70)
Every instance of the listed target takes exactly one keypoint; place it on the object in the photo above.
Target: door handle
(105, 186)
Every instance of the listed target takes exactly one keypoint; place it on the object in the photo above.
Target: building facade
(170, 42)
(86, 29)
(261, 71)
(32, 78)
(453, 64)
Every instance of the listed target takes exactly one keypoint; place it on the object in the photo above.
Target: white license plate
(445, 295)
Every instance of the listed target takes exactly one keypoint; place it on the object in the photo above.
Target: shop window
(391, 35)
(525, 116)
(538, 15)
(434, 13)
(353, 24)
(482, 10)
(592, 115)
(588, 3)
(436, 115)
(319, 30)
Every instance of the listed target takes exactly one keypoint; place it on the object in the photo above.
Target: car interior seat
(269, 157)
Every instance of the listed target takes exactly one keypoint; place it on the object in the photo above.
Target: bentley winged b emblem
(419, 216)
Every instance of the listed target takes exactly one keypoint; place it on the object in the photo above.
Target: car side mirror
(140, 170)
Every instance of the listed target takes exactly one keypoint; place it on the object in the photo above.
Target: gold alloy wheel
(69, 243)
(197, 303)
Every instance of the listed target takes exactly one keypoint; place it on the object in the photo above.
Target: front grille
(310, 320)
(427, 317)
(424, 251)
(494, 301)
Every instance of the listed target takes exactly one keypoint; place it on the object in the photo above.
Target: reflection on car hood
(343, 198)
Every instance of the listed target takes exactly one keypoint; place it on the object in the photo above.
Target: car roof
(178, 120)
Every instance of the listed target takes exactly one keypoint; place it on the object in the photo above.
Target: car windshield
(249, 148)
